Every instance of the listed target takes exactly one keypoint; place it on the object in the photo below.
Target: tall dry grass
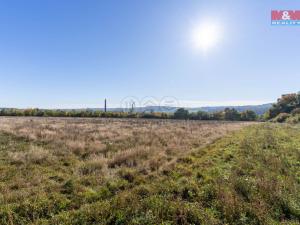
(113, 143)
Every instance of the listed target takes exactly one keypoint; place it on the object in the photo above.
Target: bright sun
(206, 35)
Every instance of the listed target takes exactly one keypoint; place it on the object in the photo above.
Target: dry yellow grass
(109, 144)
(35, 155)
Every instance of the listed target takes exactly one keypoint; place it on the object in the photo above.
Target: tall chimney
(105, 105)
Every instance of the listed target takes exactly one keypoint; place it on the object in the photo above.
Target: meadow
(138, 171)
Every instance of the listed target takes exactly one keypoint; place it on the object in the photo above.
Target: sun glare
(206, 35)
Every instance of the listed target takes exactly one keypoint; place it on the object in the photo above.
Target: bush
(282, 117)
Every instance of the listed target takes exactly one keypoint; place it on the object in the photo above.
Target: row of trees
(227, 114)
(77, 113)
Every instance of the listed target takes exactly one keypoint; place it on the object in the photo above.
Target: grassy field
(113, 171)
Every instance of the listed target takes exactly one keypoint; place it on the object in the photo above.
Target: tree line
(229, 114)
(286, 109)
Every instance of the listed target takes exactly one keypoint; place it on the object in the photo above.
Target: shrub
(282, 117)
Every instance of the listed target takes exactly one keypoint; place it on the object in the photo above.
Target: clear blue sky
(75, 53)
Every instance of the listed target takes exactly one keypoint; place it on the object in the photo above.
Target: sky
(76, 53)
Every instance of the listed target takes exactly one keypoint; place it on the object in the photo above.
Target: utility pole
(105, 105)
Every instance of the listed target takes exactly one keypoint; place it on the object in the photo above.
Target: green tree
(217, 115)
(232, 114)
(203, 115)
(248, 115)
(181, 113)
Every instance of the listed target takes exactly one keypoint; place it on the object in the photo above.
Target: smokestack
(105, 105)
